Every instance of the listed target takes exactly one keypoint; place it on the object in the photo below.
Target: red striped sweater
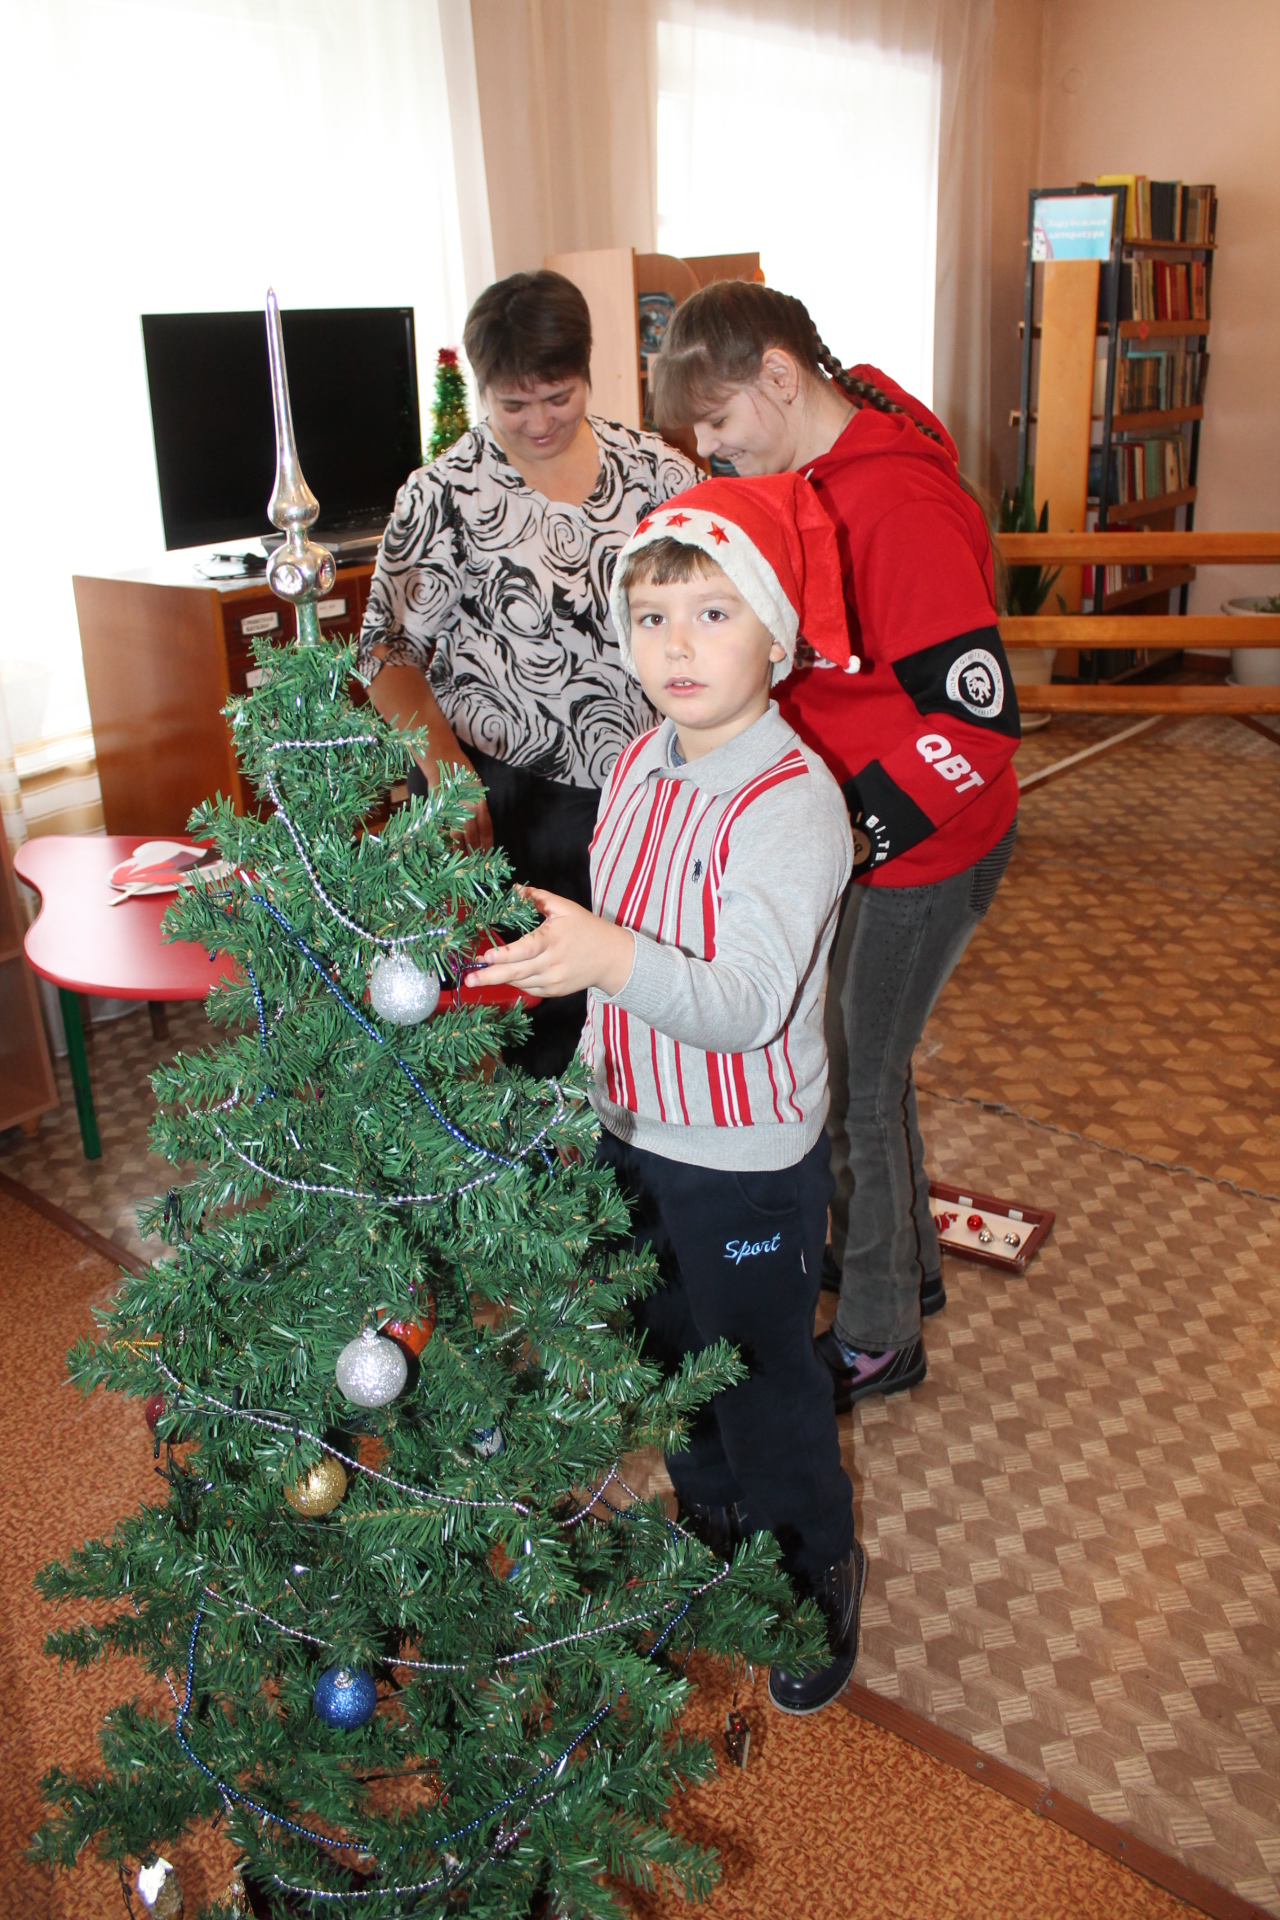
(729, 871)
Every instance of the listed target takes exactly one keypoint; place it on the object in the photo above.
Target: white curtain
(182, 155)
(820, 150)
(848, 140)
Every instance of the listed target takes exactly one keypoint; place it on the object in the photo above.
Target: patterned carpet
(1074, 1523)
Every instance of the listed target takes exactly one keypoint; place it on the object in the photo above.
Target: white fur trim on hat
(734, 553)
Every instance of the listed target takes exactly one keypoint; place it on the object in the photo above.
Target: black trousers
(544, 827)
(741, 1258)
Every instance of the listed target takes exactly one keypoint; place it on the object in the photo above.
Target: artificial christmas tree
(449, 408)
(422, 1639)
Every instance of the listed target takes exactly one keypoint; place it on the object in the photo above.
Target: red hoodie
(923, 736)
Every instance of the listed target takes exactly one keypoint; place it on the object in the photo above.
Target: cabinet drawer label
(331, 609)
(260, 623)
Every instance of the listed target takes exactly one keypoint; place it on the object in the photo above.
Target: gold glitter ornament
(158, 1888)
(320, 1490)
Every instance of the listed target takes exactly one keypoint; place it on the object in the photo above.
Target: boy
(719, 859)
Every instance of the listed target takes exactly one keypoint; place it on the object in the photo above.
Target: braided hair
(717, 339)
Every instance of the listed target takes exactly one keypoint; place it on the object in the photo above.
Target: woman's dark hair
(529, 328)
(717, 339)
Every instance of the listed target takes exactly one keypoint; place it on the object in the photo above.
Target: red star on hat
(719, 535)
(645, 525)
(677, 519)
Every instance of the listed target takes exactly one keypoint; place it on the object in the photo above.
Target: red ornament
(447, 356)
(152, 1408)
(412, 1335)
(975, 1222)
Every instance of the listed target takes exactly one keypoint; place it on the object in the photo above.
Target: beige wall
(1181, 89)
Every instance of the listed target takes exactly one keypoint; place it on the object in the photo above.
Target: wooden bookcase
(1074, 346)
(613, 278)
(163, 652)
(27, 1086)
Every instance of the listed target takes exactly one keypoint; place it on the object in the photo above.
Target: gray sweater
(729, 871)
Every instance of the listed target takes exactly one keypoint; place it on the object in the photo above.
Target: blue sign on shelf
(1073, 227)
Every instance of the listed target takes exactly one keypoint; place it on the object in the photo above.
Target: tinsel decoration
(370, 1370)
(449, 404)
(401, 993)
(345, 1697)
(319, 1491)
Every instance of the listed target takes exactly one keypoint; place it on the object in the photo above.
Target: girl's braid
(865, 391)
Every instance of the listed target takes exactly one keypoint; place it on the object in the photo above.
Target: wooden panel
(665, 273)
(607, 278)
(1068, 333)
(1088, 630)
(27, 1086)
(724, 266)
(1126, 697)
(1116, 549)
(156, 672)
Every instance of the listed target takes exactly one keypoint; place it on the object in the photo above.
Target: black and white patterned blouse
(502, 597)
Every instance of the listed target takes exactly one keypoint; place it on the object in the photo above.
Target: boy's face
(702, 656)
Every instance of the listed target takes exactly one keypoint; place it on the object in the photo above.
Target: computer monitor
(353, 383)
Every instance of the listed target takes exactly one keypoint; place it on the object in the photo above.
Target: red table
(84, 944)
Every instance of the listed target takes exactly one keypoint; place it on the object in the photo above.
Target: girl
(921, 738)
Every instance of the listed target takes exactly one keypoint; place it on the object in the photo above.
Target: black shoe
(839, 1594)
(720, 1529)
(855, 1375)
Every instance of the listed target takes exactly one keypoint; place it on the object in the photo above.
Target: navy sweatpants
(741, 1258)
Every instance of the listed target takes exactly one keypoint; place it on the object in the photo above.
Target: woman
(921, 737)
(488, 617)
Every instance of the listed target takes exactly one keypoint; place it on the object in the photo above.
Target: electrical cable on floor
(1086, 1140)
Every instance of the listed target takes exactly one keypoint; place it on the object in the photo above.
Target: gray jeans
(893, 954)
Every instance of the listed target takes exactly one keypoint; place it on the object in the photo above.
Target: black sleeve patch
(885, 819)
(967, 677)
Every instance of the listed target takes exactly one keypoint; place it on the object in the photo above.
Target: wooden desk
(163, 652)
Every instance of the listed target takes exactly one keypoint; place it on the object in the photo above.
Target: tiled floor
(1074, 1523)
(105, 1193)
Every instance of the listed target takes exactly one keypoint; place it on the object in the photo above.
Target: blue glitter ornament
(345, 1697)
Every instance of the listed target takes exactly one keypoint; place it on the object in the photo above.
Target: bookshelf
(1137, 324)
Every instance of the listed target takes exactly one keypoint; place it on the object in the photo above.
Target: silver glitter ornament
(488, 1442)
(370, 1370)
(401, 993)
(985, 1236)
(1013, 1239)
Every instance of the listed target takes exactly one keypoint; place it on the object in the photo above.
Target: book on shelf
(1141, 469)
(1163, 290)
(1165, 209)
(1118, 578)
(1152, 379)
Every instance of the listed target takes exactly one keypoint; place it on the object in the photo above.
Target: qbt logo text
(740, 1250)
(952, 766)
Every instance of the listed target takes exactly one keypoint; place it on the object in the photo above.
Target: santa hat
(775, 543)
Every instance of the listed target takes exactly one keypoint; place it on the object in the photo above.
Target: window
(823, 154)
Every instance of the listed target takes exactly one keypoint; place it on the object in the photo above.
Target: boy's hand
(572, 949)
